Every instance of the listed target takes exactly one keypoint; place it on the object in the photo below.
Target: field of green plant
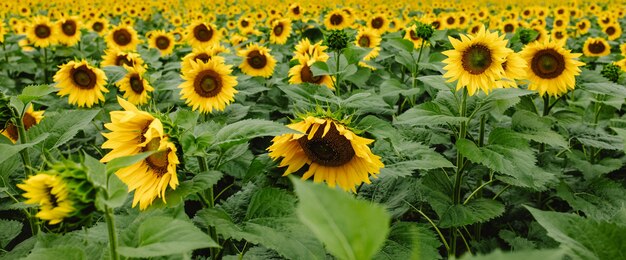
(266, 129)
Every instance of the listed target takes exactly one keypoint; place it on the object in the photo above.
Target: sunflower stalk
(23, 140)
(460, 165)
(110, 220)
(546, 111)
(209, 199)
(45, 65)
(337, 74)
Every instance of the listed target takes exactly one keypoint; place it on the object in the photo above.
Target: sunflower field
(352, 130)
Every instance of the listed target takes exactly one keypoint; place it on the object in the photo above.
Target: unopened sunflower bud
(337, 40)
(424, 31)
(611, 72)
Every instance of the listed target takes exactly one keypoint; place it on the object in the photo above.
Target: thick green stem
(208, 198)
(45, 65)
(481, 136)
(23, 139)
(546, 111)
(460, 163)
(337, 74)
(6, 56)
(110, 220)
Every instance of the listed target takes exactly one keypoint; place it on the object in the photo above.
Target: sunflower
(336, 20)
(201, 34)
(116, 57)
(122, 37)
(333, 153)
(100, 26)
(208, 85)
(84, 84)
(368, 38)
(559, 35)
(244, 23)
(202, 54)
(41, 32)
(302, 73)
(162, 41)
(257, 61)
(69, 30)
(508, 26)
(582, 27)
(281, 29)
(476, 60)
(379, 23)
(30, 118)
(622, 48)
(514, 69)
(551, 69)
(305, 49)
(51, 194)
(295, 11)
(596, 47)
(613, 31)
(411, 35)
(132, 132)
(2, 31)
(135, 87)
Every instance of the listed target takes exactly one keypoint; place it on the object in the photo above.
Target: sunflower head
(162, 41)
(42, 32)
(302, 73)
(596, 47)
(337, 40)
(69, 30)
(82, 83)
(117, 57)
(611, 72)
(135, 87)
(257, 61)
(208, 85)
(123, 37)
(30, 118)
(200, 34)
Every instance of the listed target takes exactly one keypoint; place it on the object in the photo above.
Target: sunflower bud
(5, 111)
(424, 31)
(611, 72)
(337, 40)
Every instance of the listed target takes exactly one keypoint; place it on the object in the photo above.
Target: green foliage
(10, 230)
(410, 241)
(60, 127)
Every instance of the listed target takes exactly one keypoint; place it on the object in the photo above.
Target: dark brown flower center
(559, 35)
(69, 28)
(97, 26)
(436, 24)
(476, 59)
(364, 41)
(42, 31)
(244, 23)
(162, 42)
(123, 59)
(336, 19)
(256, 59)
(548, 64)
(202, 33)
(157, 161)
(475, 29)
(207, 83)
(122, 37)
(582, 26)
(596, 47)
(202, 57)
(11, 131)
(462, 20)
(51, 197)
(278, 29)
(610, 30)
(413, 35)
(83, 77)
(377, 22)
(450, 20)
(558, 23)
(307, 75)
(136, 83)
(296, 10)
(331, 150)
(508, 28)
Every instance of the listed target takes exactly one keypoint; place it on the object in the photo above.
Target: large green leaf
(34, 92)
(350, 228)
(8, 150)
(271, 202)
(161, 236)
(245, 130)
(427, 114)
(475, 211)
(68, 252)
(10, 230)
(543, 254)
(583, 237)
(61, 127)
(410, 241)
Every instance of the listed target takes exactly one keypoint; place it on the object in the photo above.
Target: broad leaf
(61, 127)
(10, 230)
(34, 92)
(475, 211)
(245, 130)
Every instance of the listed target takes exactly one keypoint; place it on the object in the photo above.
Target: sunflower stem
(460, 164)
(209, 198)
(546, 111)
(23, 140)
(4, 49)
(110, 220)
(481, 136)
(337, 76)
(45, 65)
(443, 239)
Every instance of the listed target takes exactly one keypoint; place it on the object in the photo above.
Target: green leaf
(185, 119)
(34, 92)
(475, 211)
(10, 230)
(585, 238)
(320, 68)
(97, 171)
(271, 202)
(536, 128)
(427, 114)
(543, 254)
(436, 81)
(200, 182)
(65, 252)
(350, 228)
(8, 150)
(245, 130)
(161, 236)
(121, 162)
(114, 73)
(400, 44)
(61, 127)
(409, 241)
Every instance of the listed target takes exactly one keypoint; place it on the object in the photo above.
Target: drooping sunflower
(163, 41)
(202, 34)
(82, 83)
(132, 132)
(514, 69)
(368, 38)
(281, 29)
(135, 87)
(596, 47)
(41, 32)
(30, 118)
(476, 61)
(257, 61)
(336, 20)
(69, 30)
(51, 194)
(116, 57)
(208, 85)
(334, 153)
(122, 37)
(551, 68)
(302, 73)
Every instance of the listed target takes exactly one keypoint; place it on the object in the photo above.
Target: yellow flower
(162, 41)
(551, 69)
(41, 32)
(514, 69)
(257, 61)
(302, 73)
(337, 20)
(333, 152)
(281, 29)
(208, 85)
(596, 47)
(122, 37)
(116, 57)
(51, 194)
(135, 87)
(100, 26)
(476, 61)
(411, 35)
(69, 30)
(82, 83)
(202, 34)
(30, 118)
(368, 38)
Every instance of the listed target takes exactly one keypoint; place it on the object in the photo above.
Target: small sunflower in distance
(134, 131)
(368, 38)
(208, 85)
(51, 194)
(122, 37)
(82, 83)
(596, 47)
(100, 26)
(551, 68)
(281, 29)
(135, 87)
(117, 57)
(30, 118)
(334, 153)
(412, 35)
(257, 61)
(302, 73)
(162, 41)
(69, 30)
(202, 34)
(202, 54)
(476, 61)
(41, 32)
